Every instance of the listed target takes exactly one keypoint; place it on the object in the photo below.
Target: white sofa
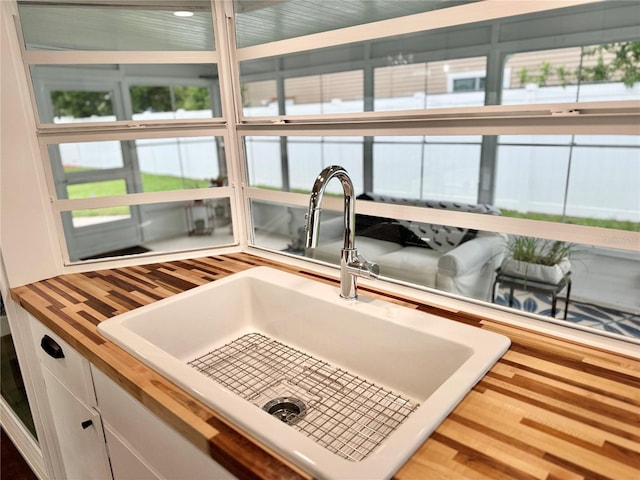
(451, 259)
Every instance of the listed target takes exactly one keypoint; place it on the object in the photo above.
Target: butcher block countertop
(549, 409)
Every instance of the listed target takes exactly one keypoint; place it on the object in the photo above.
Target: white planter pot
(551, 274)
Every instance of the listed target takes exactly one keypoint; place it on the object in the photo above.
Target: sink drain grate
(346, 414)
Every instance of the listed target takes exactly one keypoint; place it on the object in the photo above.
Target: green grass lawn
(589, 222)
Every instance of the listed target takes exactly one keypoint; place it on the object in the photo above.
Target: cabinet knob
(86, 424)
(52, 348)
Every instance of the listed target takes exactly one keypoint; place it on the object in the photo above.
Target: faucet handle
(361, 267)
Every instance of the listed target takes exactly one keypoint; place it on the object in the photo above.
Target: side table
(529, 285)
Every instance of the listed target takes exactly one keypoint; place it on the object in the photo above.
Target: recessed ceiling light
(183, 13)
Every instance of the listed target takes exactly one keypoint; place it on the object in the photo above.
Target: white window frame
(611, 117)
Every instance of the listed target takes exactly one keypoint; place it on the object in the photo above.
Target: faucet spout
(352, 264)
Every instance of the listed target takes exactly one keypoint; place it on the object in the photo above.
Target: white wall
(27, 236)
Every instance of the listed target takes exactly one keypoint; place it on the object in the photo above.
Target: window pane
(48, 26)
(82, 106)
(589, 73)
(609, 197)
(76, 158)
(179, 163)
(321, 94)
(404, 85)
(401, 81)
(259, 98)
(94, 93)
(92, 169)
(151, 228)
(278, 226)
(305, 158)
(308, 156)
(167, 103)
(409, 251)
(434, 168)
(531, 179)
(598, 300)
(261, 23)
(264, 162)
(439, 168)
(588, 180)
(12, 387)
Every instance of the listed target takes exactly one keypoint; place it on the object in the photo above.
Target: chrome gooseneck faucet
(352, 264)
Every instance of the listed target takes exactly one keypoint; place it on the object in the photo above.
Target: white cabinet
(101, 432)
(79, 432)
(71, 406)
(143, 446)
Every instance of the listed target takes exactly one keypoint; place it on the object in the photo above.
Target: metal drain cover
(289, 410)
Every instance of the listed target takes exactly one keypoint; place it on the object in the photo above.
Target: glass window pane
(278, 226)
(48, 26)
(92, 169)
(607, 196)
(405, 250)
(531, 179)
(259, 98)
(81, 157)
(589, 73)
(433, 168)
(594, 183)
(170, 102)
(12, 386)
(308, 156)
(400, 81)
(82, 106)
(340, 92)
(597, 300)
(261, 23)
(94, 93)
(305, 158)
(404, 85)
(179, 163)
(151, 228)
(150, 99)
(264, 162)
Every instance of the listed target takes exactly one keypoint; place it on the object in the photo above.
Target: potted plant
(537, 259)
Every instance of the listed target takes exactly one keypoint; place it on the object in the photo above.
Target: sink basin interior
(295, 350)
(346, 414)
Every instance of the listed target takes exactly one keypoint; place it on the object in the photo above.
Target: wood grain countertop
(549, 409)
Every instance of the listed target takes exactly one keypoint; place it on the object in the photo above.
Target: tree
(614, 62)
(192, 98)
(79, 104)
(155, 99)
(626, 61)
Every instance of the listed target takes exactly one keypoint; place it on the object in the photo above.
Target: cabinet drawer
(71, 368)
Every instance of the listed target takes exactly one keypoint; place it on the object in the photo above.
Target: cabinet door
(79, 432)
(125, 464)
(154, 443)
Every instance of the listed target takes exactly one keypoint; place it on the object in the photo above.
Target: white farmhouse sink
(345, 356)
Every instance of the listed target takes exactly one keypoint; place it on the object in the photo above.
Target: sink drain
(289, 410)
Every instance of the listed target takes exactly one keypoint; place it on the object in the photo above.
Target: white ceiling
(151, 25)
